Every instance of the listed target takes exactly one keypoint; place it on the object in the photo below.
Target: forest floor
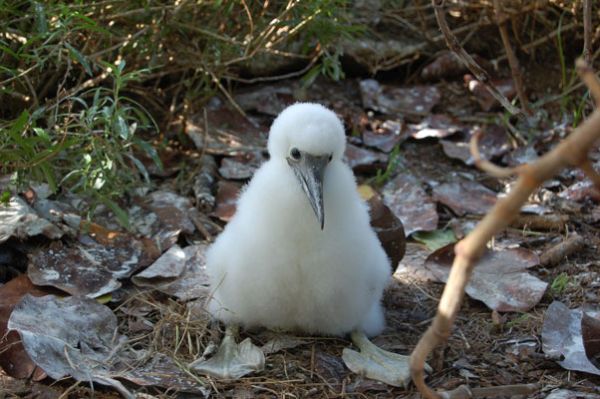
(416, 135)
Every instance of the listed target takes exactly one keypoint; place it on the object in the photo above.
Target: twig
(541, 222)
(277, 77)
(512, 59)
(469, 62)
(572, 151)
(587, 31)
(590, 79)
(485, 165)
(540, 41)
(563, 249)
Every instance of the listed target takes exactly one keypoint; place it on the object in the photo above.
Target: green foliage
(394, 161)
(560, 284)
(78, 79)
(435, 239)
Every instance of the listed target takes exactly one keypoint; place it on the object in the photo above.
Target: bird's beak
(310, 170)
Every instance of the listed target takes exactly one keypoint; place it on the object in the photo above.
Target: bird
(299, 254)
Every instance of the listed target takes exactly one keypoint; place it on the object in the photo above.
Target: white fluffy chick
(278, 266)
(300, 254)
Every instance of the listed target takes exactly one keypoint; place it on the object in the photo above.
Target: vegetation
(89, 86)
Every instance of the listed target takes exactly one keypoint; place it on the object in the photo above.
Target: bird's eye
(295, 153)
(330, 157)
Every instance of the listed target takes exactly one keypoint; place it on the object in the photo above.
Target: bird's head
(309, 137)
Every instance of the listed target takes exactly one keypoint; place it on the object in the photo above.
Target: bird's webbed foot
(376, 363)
(232, 360)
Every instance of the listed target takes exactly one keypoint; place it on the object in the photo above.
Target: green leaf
(41, 133)
(121, 127)
(80, 58)
(49, 175)
(435, 239)
(41, 24)
(5, 197)
(151, 151)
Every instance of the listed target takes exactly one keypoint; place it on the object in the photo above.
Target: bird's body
(274, 266)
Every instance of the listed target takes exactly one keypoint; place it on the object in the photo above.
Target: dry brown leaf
(465, 197)
(411, 204)
(393, 100)
(13, 358)
(500, 279)
(562, 336)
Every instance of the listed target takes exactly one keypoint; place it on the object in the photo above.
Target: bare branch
(586, 73)
(512, 59)
(469, 62)
(485, 165)
(468, 250)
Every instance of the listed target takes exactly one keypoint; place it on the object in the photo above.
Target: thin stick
(587, 31)
(515, 70)
(572, 151)
(485, 165)
(469, 62)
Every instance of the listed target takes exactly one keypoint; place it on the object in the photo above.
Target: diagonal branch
(572, 151)
(470, 63)
(510, 54)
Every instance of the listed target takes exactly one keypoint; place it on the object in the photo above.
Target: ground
(486, 348)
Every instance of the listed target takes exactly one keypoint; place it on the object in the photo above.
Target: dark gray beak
(309, 170)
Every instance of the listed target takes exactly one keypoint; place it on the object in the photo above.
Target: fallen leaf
(435, 125)
(492, 145)
(412, 266)
(590, 332)
(411, 204)
(230, 132)
(386, 136)
(13, 358)
(168, 267)
(162, 371)
(17, 219)
(581, 191)
(435, 239)
(172, 210)
(568, 394)
(388, 228)
(269, 100)
(227, 195)
(241, 166)
(179, 272)
(499, 279)
(86, 268)
(465, 197)
(74, 336)
(521, 155)
(394, 100)
(562, 337)
(362, 159)
(280, 342)
(445, 65)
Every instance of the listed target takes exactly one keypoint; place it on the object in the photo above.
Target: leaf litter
(402, 118)
(500, 278)
(571, 336)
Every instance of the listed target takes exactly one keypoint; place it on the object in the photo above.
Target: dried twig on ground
(561, 250)
(469, 62)
(541, 222)
(571, 152)
(512, 59)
